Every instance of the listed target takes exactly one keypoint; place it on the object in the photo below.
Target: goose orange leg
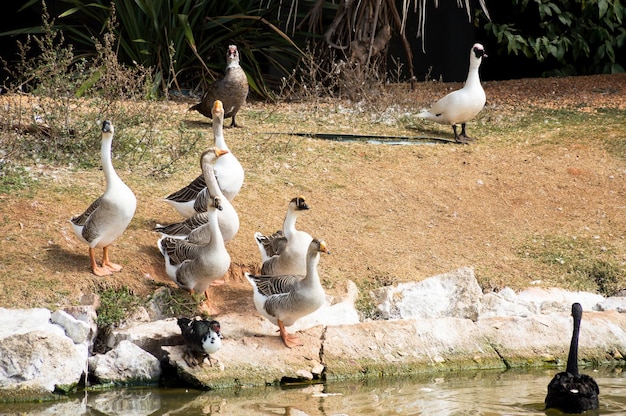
(106, 263)
(289, 340)
(207, 307)
(97, 270)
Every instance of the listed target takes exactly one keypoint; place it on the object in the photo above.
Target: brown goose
(232, 89)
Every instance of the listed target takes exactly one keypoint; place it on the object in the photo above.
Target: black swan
(570, 391)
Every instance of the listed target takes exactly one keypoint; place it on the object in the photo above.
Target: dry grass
(549, 165)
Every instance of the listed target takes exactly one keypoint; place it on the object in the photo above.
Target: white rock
(150, 336)
(454, 294)
(126, 364)
(77, 330)
(615, 303)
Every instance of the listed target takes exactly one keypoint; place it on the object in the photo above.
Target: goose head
(319, 246)
(232, 55)
(477, 54)
(298, 204)
(107, 127)
(209, 157)
(217, 113)
(216, 327)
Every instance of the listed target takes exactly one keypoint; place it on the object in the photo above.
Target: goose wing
(189, 192)
(177, 250)
(184, 228)
(272, 244)
(81, 219)
(275, 285)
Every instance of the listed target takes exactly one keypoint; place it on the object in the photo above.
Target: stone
(41, 360)
(37, 355)
(505, 303)
(77, 330)
(454, 294)
(150, 336)
(615, 303)
(126, 364)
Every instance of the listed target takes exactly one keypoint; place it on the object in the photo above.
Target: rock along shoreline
(441, 324)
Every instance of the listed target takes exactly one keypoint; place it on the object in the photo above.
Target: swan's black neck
(572, 358)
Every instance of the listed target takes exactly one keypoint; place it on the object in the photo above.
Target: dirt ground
(540, 169)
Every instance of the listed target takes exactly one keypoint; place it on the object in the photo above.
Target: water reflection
(479, 393)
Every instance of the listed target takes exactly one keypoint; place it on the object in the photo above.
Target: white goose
(284, 252)
(227, 217)
(108, 216)
(195, 266)
(228, 170)
(462, 105)
(285, 299)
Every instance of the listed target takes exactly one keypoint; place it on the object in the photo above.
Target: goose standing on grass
(285, 299)
(108, 216)
(202, 338)
(232, 89)
(228, 170)
(284, 252)
(194, 266)
(462, 105)
(570, 391)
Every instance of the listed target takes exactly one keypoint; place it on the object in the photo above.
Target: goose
(570, 391)
(284, 252)
(202, 338)
(232, 89)
(194, 266)
(462, 105)
(109, 215)
(228, 170)
(286, 298)
(227, 216)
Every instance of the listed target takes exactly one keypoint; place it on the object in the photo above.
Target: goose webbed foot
(464, 135)
(95, 268)
(207, 307)
(107, 263)
(289, 340)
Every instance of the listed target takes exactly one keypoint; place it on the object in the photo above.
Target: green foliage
(183, 39)
(13, 178)
(176, 302)
(101, 88)
(115, 306)
(580, 36)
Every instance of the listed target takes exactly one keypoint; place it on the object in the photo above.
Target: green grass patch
(579, 263)
(115, 306)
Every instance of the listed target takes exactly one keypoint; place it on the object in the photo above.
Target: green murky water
(487, 393)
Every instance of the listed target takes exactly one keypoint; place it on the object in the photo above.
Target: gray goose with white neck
(284, 252)
(194, 266)
(109, 215)
(285, 299)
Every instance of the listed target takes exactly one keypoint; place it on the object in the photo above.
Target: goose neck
(311, 267)
(218, 135)
(106, 159)
(289, 224)
(473, 78)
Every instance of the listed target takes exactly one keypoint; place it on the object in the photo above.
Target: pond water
(487, 393)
